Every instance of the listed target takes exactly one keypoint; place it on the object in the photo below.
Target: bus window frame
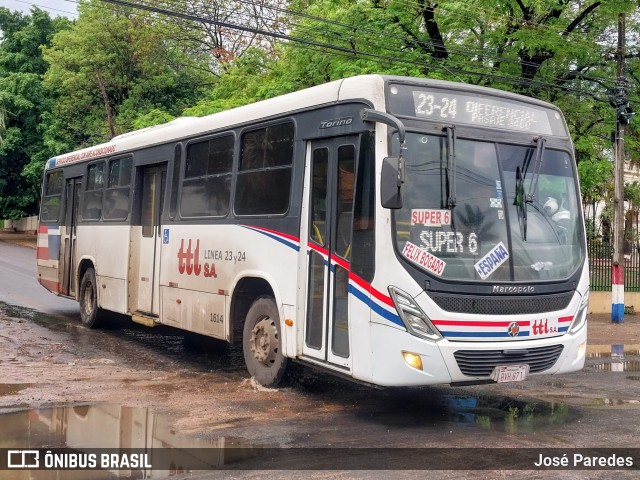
(106, 188)
(47, 175)
(85, 189)
(183, 171)
(176, 181)
(257, 126)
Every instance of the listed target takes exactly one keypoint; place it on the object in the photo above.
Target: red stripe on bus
(280, 234)
(341, 262)
(369, 288)
(565, 319)
(43, 229)
(320, 250)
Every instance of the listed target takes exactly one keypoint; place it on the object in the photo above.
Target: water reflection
(508, 415)
(617, 357)
(84, 427)
(495, 413)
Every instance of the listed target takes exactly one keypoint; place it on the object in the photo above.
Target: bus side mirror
(391, 182)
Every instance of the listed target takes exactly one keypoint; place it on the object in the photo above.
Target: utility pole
(623, 114)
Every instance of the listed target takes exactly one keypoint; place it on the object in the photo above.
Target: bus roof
(369, 87)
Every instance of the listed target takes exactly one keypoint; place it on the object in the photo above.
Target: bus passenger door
(150, 240)
(72, 199)
(330, 207)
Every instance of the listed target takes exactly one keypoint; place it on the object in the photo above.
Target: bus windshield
(489, 212)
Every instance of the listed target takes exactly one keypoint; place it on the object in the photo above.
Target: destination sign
(450, 106)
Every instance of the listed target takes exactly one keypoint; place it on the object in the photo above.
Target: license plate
(510, 373)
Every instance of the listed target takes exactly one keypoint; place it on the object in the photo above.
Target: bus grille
(480, 363)
(501, 305)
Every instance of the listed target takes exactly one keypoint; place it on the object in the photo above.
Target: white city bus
(397, 231)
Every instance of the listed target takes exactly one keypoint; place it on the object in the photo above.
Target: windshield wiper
(451, 171)
(451, 167)
(537, 166)
(522, 197)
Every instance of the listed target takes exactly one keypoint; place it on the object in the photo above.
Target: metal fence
(600, 255)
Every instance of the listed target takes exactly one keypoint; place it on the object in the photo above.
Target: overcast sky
(54, 7)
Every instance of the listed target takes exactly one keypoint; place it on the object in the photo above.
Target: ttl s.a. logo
(541, 327)
(514, 329)
(189, 262)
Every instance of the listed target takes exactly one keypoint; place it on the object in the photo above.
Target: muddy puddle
(484, 412)
(103, 428)
(12, 388)
(133, 344)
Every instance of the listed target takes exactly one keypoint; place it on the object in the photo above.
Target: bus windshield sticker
(500, 214)
(165, 236)
(491, 261)
(495, 202)
(430, 218)
(429, 262)
(449, 242)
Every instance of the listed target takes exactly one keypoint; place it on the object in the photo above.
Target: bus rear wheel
(262, 343)
(90, 314)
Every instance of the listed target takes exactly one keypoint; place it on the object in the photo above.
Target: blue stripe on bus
(383, 312)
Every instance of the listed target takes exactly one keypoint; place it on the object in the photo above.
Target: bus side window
(52, 197)
(92, 209)
(206, 187)
(116, 196)
(263, 185)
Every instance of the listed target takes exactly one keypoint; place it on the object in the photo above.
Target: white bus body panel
(210, 261)
(108, 251)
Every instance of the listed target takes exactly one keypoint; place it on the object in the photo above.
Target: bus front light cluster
(581, 317)
(412, 315)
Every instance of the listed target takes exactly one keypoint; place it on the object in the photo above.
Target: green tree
(113, 66)
(632, 197)
(23, 102)
(596, 185)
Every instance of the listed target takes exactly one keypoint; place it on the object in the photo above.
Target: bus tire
(262, 342)
(90, 313)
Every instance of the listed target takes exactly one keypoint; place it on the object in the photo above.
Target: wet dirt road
(126, 385)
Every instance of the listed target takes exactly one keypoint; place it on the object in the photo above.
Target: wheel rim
(264, 341)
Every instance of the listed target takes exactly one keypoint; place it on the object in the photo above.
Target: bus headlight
(581, 317)
(412, 315)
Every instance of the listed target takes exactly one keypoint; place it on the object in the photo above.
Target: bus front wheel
(262, 343)
(90, 313)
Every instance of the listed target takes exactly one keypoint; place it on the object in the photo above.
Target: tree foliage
(23, 102)
(111, 67)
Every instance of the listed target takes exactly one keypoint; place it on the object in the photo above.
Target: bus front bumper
(446, 362)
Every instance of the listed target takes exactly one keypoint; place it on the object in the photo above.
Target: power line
(482, 71)
(42, 7)
(346, 50)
